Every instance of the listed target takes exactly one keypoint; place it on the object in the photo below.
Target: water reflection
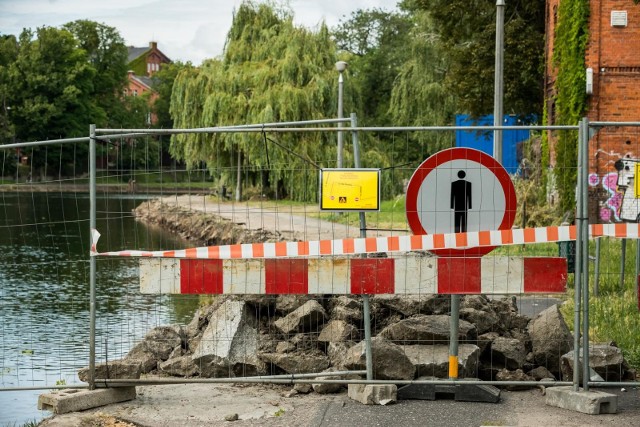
(44, 291)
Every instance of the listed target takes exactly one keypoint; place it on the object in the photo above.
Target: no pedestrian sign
(459, 190)
(350, 189)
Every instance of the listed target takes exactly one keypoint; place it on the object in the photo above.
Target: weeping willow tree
(419, 96)
(270, 71)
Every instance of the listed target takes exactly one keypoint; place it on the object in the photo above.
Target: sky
(186, 30)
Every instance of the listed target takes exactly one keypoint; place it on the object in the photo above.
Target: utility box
(568, 250)
(512, 140)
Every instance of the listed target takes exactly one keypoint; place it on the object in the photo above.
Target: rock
(325, 388)
(337, 351)
(346, 308)
(606, 360)
(410, 305)
(298, 362)
(389, 361)
(550, 338)
(161, 341)
(116, 369)
(484, 343)
(433, 360)
(541, 373)
(508, 352)
(285, 347)
(484, 321)
(477, 302)
(517, 375)
(259, 302)
(231, 417)
(139, 354)
(176, 352)
(303, 388)
(373, 394)
(306, 317)
(338, 331)
(519, 322)
(229, 344)
(305, 342)
(423, 329)
(179, 367)
(288, 303)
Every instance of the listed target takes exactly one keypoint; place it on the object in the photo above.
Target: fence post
(596, 272)
(584, 187)
(623, 260)
(578, 269)
(92, 259)
(363, 233)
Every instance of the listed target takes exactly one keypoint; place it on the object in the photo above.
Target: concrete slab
(373, 394)
(588, 402)
(73, 400)
(459, 392)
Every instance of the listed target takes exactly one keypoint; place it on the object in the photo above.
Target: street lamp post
(498, 93)
(340, 66)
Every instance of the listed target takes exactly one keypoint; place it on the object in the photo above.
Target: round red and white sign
(458, 190)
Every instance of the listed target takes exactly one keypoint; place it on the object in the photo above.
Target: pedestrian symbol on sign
(460, 202)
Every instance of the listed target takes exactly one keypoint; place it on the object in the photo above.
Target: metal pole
(583, 185)
(363, 233)
(578, 273)
(92, 259)
(637, 269)
(498, 81)
(340, 115)
(623, 260)
(596, 273)
(454, 322)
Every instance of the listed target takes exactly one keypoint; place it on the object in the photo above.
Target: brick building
(612, 68)
(143, 63)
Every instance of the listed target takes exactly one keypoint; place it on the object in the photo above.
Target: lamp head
(341, 66)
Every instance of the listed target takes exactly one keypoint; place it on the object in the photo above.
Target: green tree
(107, 53)
(377, 43)
(467, 31)
(270, 71)
(163, 84)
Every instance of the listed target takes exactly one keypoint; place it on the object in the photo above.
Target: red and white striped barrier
(408, 275)
(393, 244)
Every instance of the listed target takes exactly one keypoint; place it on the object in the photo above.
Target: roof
(136, 52)
(144, 80)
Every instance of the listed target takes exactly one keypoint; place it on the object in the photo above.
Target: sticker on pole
(459, 190)
(350, 189)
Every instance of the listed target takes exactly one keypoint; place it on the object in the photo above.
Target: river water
(44, 292)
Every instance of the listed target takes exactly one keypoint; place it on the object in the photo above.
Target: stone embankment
(198, 226)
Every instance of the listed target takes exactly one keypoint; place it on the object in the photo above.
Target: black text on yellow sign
(350, 189)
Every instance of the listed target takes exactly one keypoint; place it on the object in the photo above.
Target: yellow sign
(350, 189)
(636, 181)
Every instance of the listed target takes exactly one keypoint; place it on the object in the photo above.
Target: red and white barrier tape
(392, 244)
(414, 275)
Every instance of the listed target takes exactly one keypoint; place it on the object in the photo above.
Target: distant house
(143, 63)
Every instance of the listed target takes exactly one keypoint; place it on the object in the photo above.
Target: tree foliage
(57, 81)
(467, 31)
(571, 99)
(271, 71)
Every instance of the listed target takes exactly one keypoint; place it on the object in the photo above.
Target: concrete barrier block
(373, 394)
(73, 400)
(588, 402)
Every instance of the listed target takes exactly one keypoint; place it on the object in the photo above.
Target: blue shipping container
(483, 140)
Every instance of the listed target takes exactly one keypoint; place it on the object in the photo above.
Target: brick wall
(613, 52)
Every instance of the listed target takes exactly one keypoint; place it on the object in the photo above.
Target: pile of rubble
(294, 334)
